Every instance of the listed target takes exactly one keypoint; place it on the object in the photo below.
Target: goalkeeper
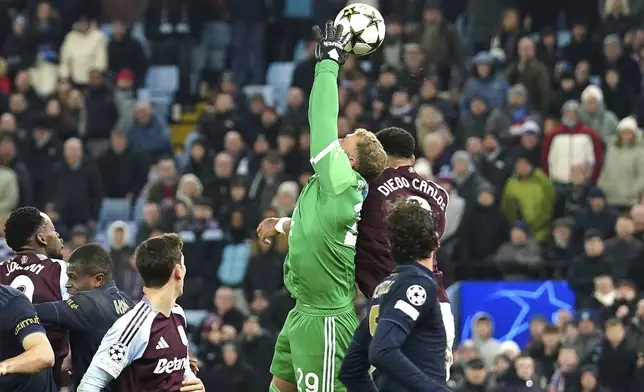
(319, 267)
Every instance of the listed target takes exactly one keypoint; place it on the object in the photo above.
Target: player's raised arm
(394, 325)
(327, 157)
(123, 344)
(26, 327)
(72, 314)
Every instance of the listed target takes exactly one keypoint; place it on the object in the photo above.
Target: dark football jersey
(41, 279)
(145, 350)
(373, 259)
(18, 321)
(87, 315)
(403, 336)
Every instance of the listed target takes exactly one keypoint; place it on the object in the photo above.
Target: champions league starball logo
(117, 352)
(512, 305)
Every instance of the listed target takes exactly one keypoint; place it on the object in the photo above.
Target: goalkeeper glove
(329, 45)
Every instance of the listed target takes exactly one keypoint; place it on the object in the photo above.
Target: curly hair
(397, 142)
(21, 226)
(411, 230)
(372, 158)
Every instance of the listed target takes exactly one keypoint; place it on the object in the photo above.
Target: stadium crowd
(527, 112)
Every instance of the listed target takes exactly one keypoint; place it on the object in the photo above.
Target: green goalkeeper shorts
(311, 346)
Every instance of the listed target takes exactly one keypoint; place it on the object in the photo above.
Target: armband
(279, 226)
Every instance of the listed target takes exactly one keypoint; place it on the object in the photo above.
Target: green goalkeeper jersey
(319, 268)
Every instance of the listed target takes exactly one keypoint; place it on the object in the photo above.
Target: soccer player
(95, 305)
(374, 261)
(319, 268)
(26, 356)
(403, 336)
(146, 350)
(36, 269)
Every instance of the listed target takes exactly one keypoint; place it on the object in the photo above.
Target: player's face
(50, 239)
(349, 145)
(78, 280)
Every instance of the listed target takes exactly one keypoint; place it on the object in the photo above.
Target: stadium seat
(163, 78)
(133, 229)
(279, 77)
(113, 210)
(265, 91)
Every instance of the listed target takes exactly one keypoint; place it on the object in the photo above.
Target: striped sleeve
(126, 340)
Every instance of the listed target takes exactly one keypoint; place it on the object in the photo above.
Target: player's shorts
(311, 346)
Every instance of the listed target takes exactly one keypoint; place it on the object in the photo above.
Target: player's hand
(194, 364)
(329, 44)
(266, 230)
(3, 369)
(192, 385)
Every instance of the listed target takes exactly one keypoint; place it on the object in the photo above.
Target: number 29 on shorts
(311, 381)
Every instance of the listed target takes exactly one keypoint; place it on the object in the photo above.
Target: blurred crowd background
(124, 119)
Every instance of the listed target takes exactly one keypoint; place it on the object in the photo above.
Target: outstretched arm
(327, 157)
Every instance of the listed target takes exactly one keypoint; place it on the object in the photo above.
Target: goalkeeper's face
(349, 144)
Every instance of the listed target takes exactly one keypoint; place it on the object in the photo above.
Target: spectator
(125, 98)
(151, 220)
(521, 249)
(472, 121)
(485, 83)
(602, 300)
(557, 160)
(9, 157)
(45, 149)
(84, 49)
(617, 361)
(125, 275)
(625, 248)
(264, 184)
(589, 336)
(598, 215)
(585, 268)
(505, 123)
(566, 377)
(19, 49)
(234, 145)
(73, 115)
(636, 327)
(529, 145)
(483, 339)
(285, 198)
(10, 195)
(79, 189)
(619, 97)
(455, 208)
(615, 57)
(582, 47)
(412, 74)
(594, 115)
(224, 300)
(436, 156)
(23, 85)
(122, 170)
(148, 134)
(189, 187)
(102, 113)
(509, 34)
(531, 73)
(126, 53)
(559, 252)
(566, 90)
(430, 120)
(621, 176)
(258, 346)
(217, 186)
(469, 182)
(200, 160)
(232, 375)
(475, 376)
(165, 188)
(546, 350)
(529, 196)
(588, 379)
(45, 31)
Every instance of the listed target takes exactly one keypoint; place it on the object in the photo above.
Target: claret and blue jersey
(402, 337)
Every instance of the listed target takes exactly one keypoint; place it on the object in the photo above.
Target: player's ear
(99, 280)
(413, 159)
(177, 273)
(40, 238)
(352, 160)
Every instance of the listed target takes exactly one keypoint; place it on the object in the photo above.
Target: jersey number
(351, 237)
(373, 319)
(24, 284)
(311, 381)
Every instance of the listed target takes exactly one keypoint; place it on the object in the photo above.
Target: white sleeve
(450, 332)
(125, 342)
(63, 278)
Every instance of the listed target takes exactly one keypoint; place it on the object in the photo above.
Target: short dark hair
(411, 230)
(21, 226)
(397, 142)
(156, 257)
(550, 329)
(92, 259)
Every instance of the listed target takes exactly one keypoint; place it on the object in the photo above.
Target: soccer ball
(364, 28)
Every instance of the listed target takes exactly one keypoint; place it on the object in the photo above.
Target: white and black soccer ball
(364, 28)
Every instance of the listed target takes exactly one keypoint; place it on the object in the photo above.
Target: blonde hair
(371, 157)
